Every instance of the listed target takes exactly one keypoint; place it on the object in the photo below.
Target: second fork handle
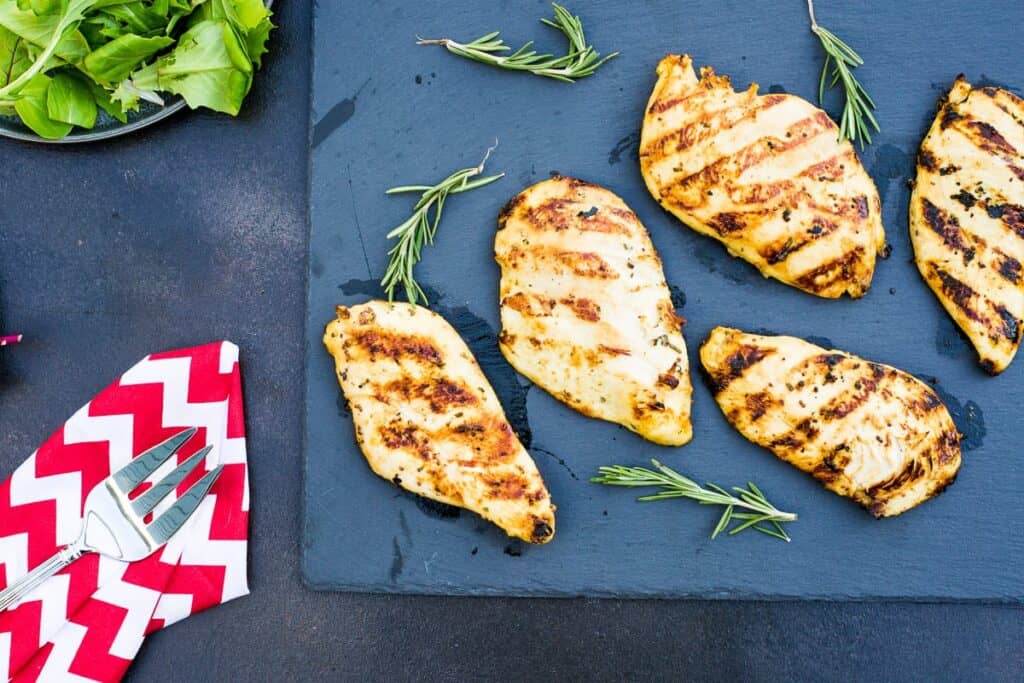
(11, 595)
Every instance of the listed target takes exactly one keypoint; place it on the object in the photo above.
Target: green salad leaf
(14, 59)
(116, 60)
(209, 68)
(40, 30)
(32, 107)
(69, 100)
(63, 61)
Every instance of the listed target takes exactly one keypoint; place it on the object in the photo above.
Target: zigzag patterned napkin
(88, 622)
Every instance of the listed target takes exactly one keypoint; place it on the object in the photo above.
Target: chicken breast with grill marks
(427, 419)
(585, 311)
(866, 431)
(967, 216)
(766, 175)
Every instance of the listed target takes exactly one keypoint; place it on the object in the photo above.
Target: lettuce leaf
(116, 60)
(250, 18)
(209, 68)
(14, 59)
(40, 30)
(31, 107)
(69, 100)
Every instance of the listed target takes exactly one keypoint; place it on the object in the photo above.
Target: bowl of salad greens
(83, 70)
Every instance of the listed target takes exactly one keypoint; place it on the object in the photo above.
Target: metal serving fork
(113, 524)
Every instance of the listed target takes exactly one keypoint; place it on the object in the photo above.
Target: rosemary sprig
(420, 228)
(763, 516)
(580, 61)
(853, 125)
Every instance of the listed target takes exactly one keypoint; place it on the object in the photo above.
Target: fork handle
(11, 595)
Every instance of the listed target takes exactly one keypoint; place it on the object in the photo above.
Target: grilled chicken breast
(866, 431)
(967, 216)
(766, 175)
(427, 419)
(585, 311)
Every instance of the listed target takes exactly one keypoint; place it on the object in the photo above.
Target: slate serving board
(387, 112)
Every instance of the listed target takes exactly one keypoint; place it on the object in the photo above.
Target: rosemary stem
(810, 10)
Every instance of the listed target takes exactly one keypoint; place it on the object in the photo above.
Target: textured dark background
(197, 231)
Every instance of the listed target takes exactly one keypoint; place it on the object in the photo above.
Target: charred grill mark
(524, 304)
(564, 213)
(808, 429)
(949, 117)
(758, 404)
(440, 394)
(587, 264)
(818, 230)
(861, 204)
(584, 309)
(856, 210)
(830, 359)
(959, 293)
(787, 441)
(490, 440)
(509, 208)
(912, 471)
(398, 346)
(836, 270)
(821, 228)
(405, 437)
(761, 193)
(849, 401)
(601, 224)
(965, 198)
(832, 465)
(1009, 269)
(947, 227)
(926, 160)
(552, 214)
(625, 214)
(832, 169)
(991, 140)
(506, 487)
(738, 362)
(445, 393)
(708, 125)
(727, 223)
(542, 531)
(734, 165)
(669, 380)
(1010, 325)
(1012, 216)
(642, 410)
(777, 255)
(667, 314)
(948, 447)
(661, 106)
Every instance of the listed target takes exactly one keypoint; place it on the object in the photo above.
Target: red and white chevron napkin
(88, 622)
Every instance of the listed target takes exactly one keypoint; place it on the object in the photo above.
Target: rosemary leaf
(757, 513)
(843, 59)
(419, 229)
(581, 59)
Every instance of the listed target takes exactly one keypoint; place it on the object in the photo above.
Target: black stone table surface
(195, 231)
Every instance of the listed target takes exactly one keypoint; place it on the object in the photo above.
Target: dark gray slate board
(388, 112)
